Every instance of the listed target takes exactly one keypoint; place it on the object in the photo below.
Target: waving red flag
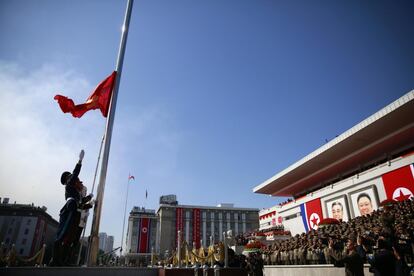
(99, 99)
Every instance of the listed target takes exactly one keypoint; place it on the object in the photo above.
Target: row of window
(28, 222)
(26, 231)
(7, 241)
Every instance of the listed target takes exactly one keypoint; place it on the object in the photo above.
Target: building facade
(352, 174)
(27, 227)
(106, 243)
(269, 217)
(109, 246)
(141, 235)
(200, 223)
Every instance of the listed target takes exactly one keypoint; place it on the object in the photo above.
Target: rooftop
(386, 133)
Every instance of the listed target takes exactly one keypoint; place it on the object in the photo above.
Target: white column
(187, 226)
(129, 237)
(157, 237)
(220, 226)
(236, 224)
(244, 222)
(212, 223)
(228, 221)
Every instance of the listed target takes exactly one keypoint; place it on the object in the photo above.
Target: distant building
(27, 227)
(269, 218)
(102, 241)
(200, 222)
(106, 243)
(109, 246)
(141, 235)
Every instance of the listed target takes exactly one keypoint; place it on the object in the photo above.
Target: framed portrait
(364, 201)
(337, 208)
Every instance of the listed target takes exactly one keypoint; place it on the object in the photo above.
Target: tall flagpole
(123, 226)
(94, 238)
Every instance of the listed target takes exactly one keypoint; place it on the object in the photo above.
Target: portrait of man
(364, 202)
(337, 208)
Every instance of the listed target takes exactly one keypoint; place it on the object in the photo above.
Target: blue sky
(215, 97)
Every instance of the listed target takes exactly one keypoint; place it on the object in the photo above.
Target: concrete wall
(308, 270)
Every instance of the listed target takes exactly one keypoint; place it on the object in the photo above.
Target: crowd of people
(389, 231)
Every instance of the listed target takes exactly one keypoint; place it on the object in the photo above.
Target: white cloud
(38, 142)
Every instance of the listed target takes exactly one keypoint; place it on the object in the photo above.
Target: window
(21, 251)
(9, 231)
(24, 241)
(7, 240)
(28, 222)
(26, 231)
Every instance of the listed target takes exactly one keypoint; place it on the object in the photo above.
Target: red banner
(196, 227)
(399, 184)
(144, 233)
(178, 223)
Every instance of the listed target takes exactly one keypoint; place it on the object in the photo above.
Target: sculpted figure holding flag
(68, 233)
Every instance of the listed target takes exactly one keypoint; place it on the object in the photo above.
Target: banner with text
(196, 227)
(179, 225)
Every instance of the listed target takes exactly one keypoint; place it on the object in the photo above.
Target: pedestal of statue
(231, 271)
(176, 272)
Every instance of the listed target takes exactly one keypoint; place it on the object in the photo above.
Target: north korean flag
(399, 184)
(143, 236)
(311, 212)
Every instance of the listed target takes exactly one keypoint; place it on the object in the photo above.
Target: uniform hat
(64, 177)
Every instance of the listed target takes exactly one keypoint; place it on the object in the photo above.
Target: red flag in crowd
(99, 99)
(399, 184)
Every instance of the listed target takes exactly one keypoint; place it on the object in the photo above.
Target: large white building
(198, 223)
(141, 235)
(350, 175)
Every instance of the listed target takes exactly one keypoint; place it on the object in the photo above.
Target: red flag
(131, 177)
(399, 184)
(99, 98)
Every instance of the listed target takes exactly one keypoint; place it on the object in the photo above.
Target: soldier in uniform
(69, 218)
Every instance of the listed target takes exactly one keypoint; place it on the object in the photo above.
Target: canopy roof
(388, 132)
